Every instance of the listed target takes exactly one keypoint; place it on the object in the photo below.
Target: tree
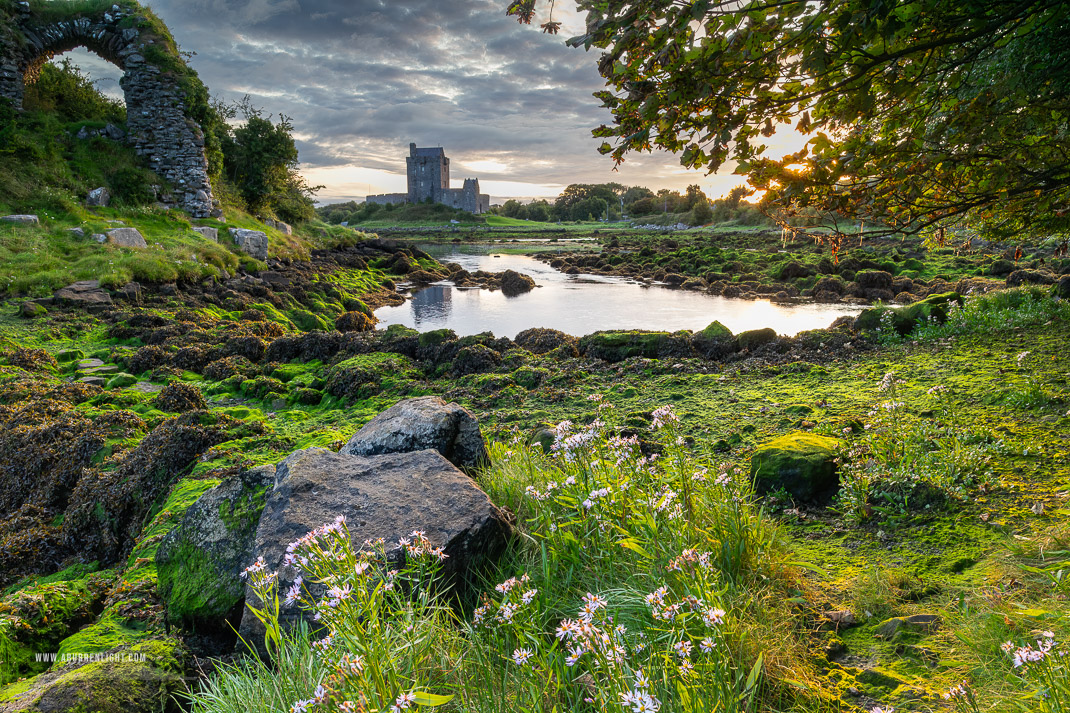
(261, 161)
(921, 114)
(695, 196)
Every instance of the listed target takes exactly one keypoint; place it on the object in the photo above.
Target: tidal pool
(581, 304)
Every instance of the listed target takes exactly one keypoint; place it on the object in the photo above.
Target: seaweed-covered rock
(754, 338)
(385, 496)
(803, 464)
(146, 359)
(121, 381)
(515, 283)
(615, 346)
(714, 342)
(1029, 277)
(874, 280)
(423, 423)
(363, 375)
(200, 560)
(475, 359)
(541, 341)
(179, 397)
(905, 319)
(355, 322)
(1000, 268)
(221, 369)
(792, 270)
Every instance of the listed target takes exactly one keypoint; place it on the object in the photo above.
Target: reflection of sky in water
(581, 304)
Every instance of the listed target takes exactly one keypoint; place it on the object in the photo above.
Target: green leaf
(424, 698)
(630, 543)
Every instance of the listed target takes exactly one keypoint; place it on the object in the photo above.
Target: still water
(581, 304)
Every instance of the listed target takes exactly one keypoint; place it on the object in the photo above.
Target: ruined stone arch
(158, 124)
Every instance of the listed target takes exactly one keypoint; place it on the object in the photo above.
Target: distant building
(428, 174)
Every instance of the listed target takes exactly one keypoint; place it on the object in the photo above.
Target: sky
(360, 79)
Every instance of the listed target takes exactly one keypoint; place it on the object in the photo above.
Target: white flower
(522, 656)
(528, 596)
(403, 702)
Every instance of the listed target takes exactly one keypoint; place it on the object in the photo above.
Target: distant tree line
(581, 202)
(614, 201)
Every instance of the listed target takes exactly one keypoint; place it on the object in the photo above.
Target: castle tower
(428, 174)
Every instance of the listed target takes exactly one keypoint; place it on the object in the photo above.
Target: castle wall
(388, 198)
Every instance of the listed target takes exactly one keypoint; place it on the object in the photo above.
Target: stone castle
(428, 173)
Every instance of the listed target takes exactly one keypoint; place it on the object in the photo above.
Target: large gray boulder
(126, 238)
(419, 424)
(98, 198)
(21, 219)
(206, 232)
(83, 294)
(385, 496)
(199, 562)
(253, 243)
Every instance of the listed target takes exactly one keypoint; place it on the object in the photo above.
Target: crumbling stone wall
(157, 121)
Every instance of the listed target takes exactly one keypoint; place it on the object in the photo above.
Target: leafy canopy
(921, 114)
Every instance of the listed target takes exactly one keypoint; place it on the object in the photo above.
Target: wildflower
(713, 617)
(480, 613)
(640, 701)
(403, 702)
(521, 656)
(682, 649)
(706, 645)
(591, 604)
(959, 691)
(662, 416)
(302, 706)
(294, 592)
(506, 612)
(321, 692)
(888, 382)
(258, 566)
(528, 596)
(1021, 358)
(566, 629)
(505, 586)
(882, 710)
(686, 667)
(574, 655)
(338, 595)
(347, 707)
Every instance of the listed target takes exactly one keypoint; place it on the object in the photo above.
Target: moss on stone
(801, 463)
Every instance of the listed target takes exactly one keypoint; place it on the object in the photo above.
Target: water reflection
(581, 304)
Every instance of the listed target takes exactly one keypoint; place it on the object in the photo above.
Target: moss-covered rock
(754, 338)
(142, 678)
(32, 310)
(614, 346)
(367, 374)
(904, 319)
(121, 381)
(715, 341)
(200, 560)
(355, 321)
(475, 359)
(803, 464)
(530, 377)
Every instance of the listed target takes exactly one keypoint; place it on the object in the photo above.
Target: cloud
(361, 79)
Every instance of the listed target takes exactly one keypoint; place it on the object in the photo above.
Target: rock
(179, 397)
(140, 678)
(355, 322)
(253, 243)
(1029, 277)
(514, 283)
(1000, 268)
(21, 219)
(65, 356)
(613, 346)
(207, 233)
(126, 238)
(715, 341)
(76, 232)
(926, 623)
(200, 560)
(842, 619)
(1062, 288)
(98, 237)
(793, 269)
(874, 280)
(130, 292)
(754, 338)
(385, 496)
(121, 381)
(830, 284)
(475, 359)
(92, 381)
(538, 340)
(284, 228)
(905, 319)
(423, 423)
(31, 310)
(801, 463)
(86, 293)
(98, 198)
